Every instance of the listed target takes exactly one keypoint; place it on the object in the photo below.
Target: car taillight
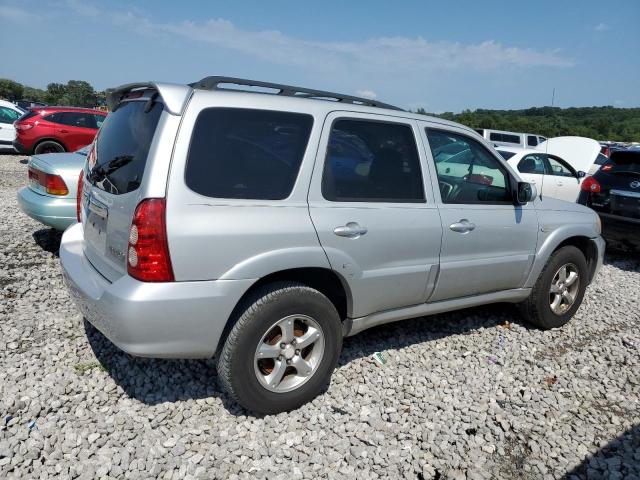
(53, 184)
(79, 196)
(23, 126)
(590, 184)
(148, 253)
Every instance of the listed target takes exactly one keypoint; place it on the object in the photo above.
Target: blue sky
(443, 56)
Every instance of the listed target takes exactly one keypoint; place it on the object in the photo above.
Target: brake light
(53, 184)
(148, 253)
(79, 195)
(590, 184)
(23, 126)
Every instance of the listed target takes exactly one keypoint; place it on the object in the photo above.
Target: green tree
(10, 89)
(55, 93)
(81, 94)
(34, 94)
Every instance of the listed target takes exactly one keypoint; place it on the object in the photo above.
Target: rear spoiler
(174, 96)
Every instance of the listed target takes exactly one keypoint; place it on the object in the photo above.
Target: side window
(99, 119)
(532, 140)
(559, 168)
(504, 137)
(246, 153)
(532, 164)
(472, 176)
(372, 161)
(79, 119)
(8, 115)
(56, 118)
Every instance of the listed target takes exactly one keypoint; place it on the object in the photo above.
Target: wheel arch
(48, 139)
(325, 280)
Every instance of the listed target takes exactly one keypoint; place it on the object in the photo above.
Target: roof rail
(213, 83)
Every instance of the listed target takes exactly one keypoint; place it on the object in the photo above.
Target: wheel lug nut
(297, 352)
(288, 362)
(282, 345)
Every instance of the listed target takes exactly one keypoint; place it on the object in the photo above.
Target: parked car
(50, 196)
(556, 168)
(27, 104)
(510, 139)
(264, 228)
(9, 113)
(56, 129)
(614, 193)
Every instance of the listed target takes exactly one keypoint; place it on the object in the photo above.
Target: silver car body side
(408, 263)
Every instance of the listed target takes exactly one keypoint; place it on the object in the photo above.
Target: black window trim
(387, 120)
(510, 183)
(228, 200)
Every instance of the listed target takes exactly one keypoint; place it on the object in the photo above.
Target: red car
(56, 129)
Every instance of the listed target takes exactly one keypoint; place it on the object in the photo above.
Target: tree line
(600, 123)
(75, 93)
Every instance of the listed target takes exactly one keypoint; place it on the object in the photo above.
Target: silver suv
(263, 227)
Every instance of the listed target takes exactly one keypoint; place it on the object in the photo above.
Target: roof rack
(213, 83)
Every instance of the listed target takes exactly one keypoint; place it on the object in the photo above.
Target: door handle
(62, 130)
(463, 226)
(351, 230)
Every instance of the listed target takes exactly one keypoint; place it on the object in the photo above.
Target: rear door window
(246, 153)
(532, 163)
(122, 146)
(559, 167)
(372, 161)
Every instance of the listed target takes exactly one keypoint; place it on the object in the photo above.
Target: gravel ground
(472, 394)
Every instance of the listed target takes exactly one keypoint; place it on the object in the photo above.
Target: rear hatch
(113, 176)
(620, 185)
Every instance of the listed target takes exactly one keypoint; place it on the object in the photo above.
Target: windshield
(122, 146)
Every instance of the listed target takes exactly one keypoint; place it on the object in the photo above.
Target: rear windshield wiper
(99, 172)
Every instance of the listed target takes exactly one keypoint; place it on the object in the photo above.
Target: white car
(556, 167)
(9, 113)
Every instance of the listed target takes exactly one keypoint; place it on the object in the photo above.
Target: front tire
(282, 350)
(559, 290)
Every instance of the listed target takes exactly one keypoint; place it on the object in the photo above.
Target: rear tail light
(23, 126)
(148, 253)
(591, 185)
(53, 184)
(79, 196)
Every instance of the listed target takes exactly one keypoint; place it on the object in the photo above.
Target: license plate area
(625, 203)
(95, 227)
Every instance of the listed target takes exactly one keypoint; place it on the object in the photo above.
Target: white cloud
(375, 56)
(601, 27)
(17, 14)
(367, 94)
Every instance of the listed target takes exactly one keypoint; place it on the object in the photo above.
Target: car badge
(635, 184)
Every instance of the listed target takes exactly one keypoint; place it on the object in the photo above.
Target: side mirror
(580, 174)
(525, 193)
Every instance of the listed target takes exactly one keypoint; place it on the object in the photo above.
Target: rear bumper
(168, 320)
(58, 213)
(622, 233)
(19, 147)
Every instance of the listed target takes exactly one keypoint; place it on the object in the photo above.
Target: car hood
(546, 202)
(579, 152)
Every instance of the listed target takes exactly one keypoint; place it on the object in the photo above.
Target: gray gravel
(473, 394)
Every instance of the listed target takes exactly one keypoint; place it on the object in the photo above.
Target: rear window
(122, 146)
(27, 115)
(246, 153)
(625, 161)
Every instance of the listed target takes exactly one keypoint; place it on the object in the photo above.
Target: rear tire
(255, 368)
(48, 146)
(559, 290)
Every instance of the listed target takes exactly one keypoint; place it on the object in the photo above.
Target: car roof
(6, 103)
(48, 109)
(517, 150)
